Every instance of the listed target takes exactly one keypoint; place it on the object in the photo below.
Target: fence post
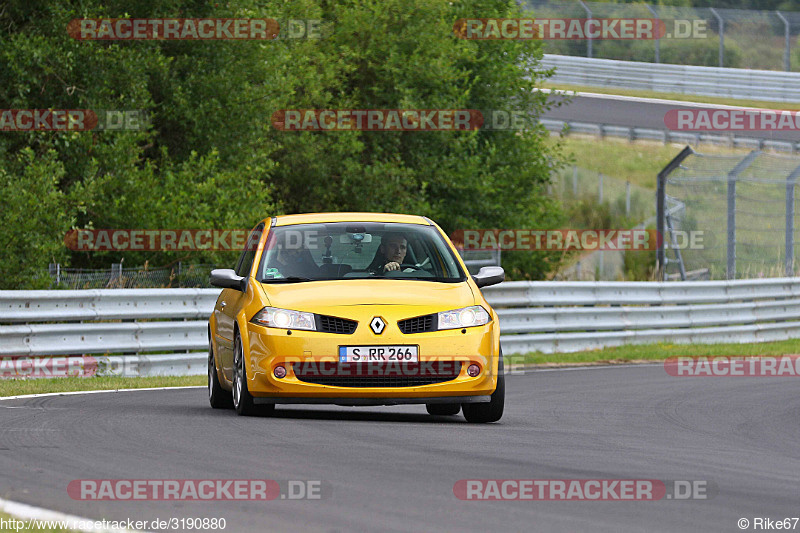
(658, 39)
(732, 176)
(791, 180)
(661, 211)
(627, 198)
(54, 270)
(116, 271)
(721, 36)
(574, 180)
(589, 51)
(602, 267)
(787, 43)
(600, 190)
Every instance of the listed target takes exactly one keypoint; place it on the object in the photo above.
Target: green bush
(211, 158)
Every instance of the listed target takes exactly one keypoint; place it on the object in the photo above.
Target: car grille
(419, 324)
(332, 324)
(358, 376)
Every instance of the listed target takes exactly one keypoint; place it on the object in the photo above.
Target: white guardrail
(122, 330)
(686, 79)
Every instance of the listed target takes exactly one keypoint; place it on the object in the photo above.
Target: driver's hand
(391, 266)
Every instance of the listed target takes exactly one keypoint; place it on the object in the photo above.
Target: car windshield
(351, 250)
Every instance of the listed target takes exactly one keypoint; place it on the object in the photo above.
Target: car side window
(249, 254)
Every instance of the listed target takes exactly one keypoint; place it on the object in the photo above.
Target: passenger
(294, 262)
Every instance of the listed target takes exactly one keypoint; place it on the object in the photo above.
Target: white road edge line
(643, 99)
(24, 511)
(29, 512)
(72, 393)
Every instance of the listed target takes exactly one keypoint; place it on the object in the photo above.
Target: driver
(390, 254)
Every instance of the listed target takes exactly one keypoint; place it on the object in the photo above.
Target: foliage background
(211, 158)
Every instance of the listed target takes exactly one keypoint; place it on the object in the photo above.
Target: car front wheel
(242, 399)
(482, 413)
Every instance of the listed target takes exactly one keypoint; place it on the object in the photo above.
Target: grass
(673, 96)
(657, 352)
(15, 387)
(638, 162)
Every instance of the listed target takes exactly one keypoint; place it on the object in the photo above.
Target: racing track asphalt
(393, 468)
(601, 109)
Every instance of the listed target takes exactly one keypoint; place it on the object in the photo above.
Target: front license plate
(362, 354)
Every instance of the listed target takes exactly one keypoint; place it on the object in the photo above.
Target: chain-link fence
(744, 210)
(593, 200)
(618, 198)
(116, 277)
(733, 37)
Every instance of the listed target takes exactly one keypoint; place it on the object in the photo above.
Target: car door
(230, 303)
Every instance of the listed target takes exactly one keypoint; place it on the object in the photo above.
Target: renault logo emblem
(378, 325)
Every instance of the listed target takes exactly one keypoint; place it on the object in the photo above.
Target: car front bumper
(269, 348)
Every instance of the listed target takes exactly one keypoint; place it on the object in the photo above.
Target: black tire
(492, 411)
(242, 399)
(443, 409)
(218, 397)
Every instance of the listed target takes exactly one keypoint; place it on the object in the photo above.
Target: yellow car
(354, 309)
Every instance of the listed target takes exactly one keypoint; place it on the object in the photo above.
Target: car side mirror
(226, 278)
(489, 276)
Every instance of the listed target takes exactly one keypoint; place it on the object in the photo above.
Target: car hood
(325, 296)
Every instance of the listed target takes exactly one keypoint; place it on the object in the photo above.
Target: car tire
(492, 411)
(218, 397)
(242, 399)
(443, 409)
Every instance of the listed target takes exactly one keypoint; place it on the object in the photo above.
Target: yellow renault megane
(354, 309)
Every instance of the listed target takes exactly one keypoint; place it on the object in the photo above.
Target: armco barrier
(686, 79)
(572, 316)
(534, 316)
(667, 136)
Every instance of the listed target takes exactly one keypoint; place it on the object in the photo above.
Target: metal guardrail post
(661, 210)
(787, 46)
(589, 51)
(732, 176)
(658, 40)
(791, 180)
(721, 22)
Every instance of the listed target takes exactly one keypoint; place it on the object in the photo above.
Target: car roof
(317, 218)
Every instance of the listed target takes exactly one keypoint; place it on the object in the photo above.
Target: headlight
(463, 318)
(272, 317)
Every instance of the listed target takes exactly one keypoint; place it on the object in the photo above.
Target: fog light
(473, 370)
(279, 372)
